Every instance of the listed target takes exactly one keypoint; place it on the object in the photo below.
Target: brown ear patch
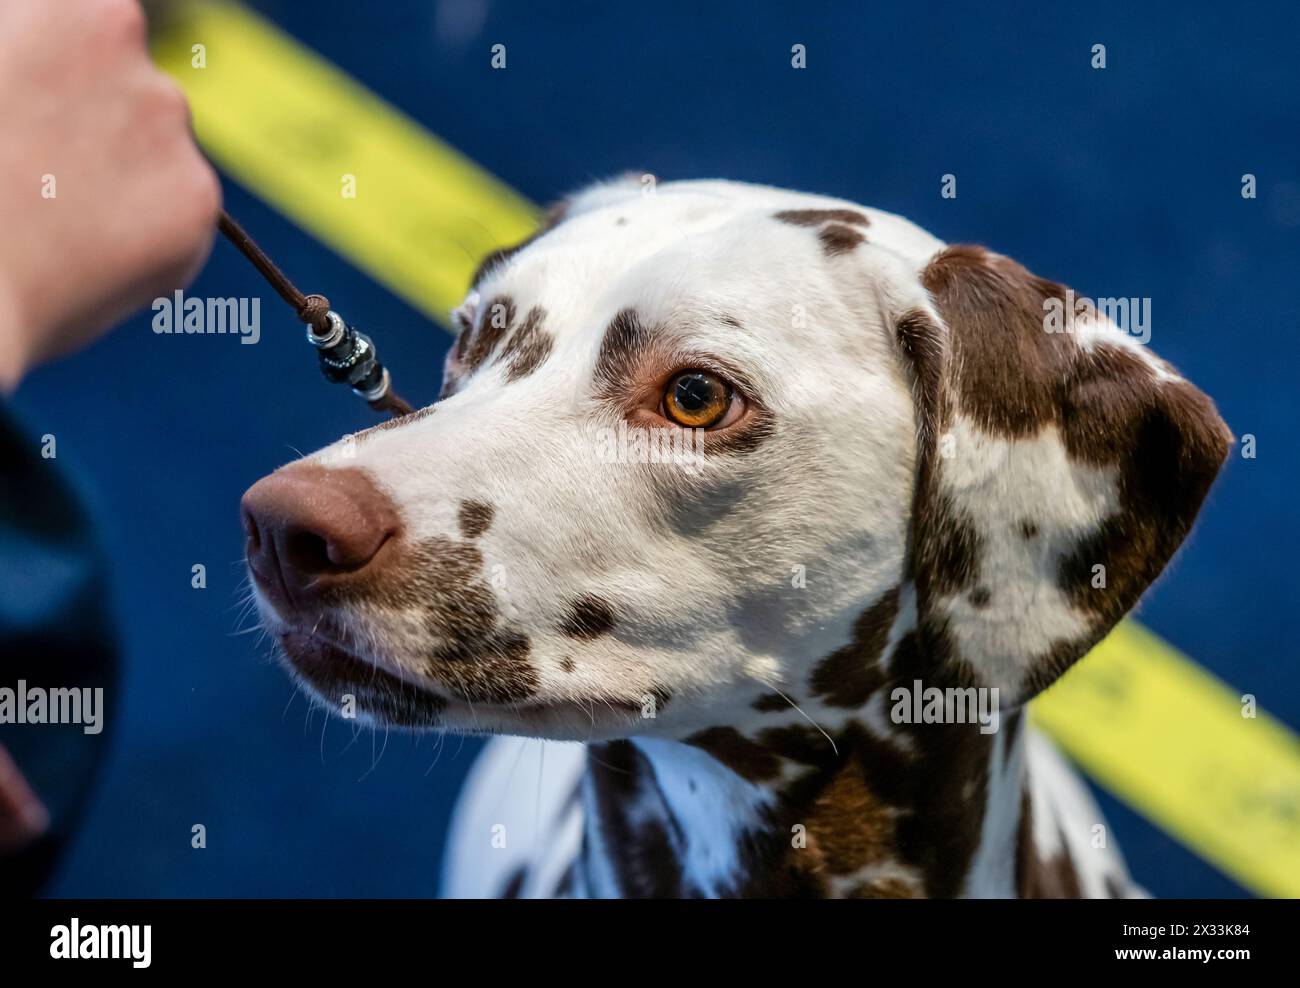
(1167, 442)
(1009, 371)
(998, 374)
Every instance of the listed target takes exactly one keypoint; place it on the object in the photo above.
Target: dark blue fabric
(55, 633)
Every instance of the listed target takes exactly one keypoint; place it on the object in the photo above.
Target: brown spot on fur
(866, 802)
(883, 888)
(498, 317)
(630, 813)
(861, 801)
(491, 669)
(566, 664)
(475, 517)
(529, 347)
(1029, 530)
(837, 236)
(949, 790)
(980, 597)
(1037, 877)
(837, 239)
(1167, 443)
(441, 580)
(746, 758)
(949, 550)
(800, 743)
(816, 217)
(589, 617)
(848, 826)
(945, 545)
(626, 339)
(771, 703)
(849, 675)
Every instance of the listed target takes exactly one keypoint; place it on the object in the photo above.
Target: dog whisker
(801, 713)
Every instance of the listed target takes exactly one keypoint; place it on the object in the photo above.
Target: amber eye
(697, 399)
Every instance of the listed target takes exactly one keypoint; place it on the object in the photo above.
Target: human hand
(23, 817)
(107, 202)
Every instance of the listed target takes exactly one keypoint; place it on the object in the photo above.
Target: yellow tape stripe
(1170, 739)
(291, 127)
(1144, 720)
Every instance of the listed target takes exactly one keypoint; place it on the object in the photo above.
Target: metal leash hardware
(346, 355)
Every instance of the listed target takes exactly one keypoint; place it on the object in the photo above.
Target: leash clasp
(347, 356)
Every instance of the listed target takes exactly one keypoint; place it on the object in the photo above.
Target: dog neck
(937, 812)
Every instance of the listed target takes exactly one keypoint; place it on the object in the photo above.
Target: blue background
(1124, 181)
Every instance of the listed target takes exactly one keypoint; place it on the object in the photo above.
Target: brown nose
(311, 528)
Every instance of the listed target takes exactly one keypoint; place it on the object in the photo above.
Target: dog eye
(697, 399)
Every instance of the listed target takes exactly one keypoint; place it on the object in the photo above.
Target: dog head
(706, 451)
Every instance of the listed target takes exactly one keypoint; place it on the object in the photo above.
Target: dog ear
(1059, 465)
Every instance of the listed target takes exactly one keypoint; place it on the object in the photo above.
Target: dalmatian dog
(726, 485)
